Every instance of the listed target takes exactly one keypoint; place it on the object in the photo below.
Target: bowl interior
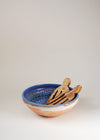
(39, 94)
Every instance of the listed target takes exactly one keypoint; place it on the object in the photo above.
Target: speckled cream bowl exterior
(43, 109)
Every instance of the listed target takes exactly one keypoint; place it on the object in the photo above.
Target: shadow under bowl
(35, 98)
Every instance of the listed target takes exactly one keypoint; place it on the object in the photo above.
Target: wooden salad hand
(65, 97)
(61, 89)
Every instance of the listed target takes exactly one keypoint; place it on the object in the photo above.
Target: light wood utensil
(65, 96)
(61, 89)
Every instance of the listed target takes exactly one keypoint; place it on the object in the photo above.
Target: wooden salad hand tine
(53, 94)
(56, 98)
(67, 98)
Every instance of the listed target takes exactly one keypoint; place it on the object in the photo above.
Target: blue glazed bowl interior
(39, 94)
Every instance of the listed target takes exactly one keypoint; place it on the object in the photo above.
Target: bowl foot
(49, 114)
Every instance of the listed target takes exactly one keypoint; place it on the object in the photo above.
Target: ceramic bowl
(36, 96)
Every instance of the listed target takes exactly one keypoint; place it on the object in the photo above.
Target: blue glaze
(39, 94)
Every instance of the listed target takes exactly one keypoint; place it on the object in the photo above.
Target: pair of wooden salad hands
(63, 94)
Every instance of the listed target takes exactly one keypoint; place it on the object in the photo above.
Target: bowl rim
(32, 103)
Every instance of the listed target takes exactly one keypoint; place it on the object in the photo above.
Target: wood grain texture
(61, 89)
(65, 97)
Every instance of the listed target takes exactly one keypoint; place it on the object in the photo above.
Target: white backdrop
(44, 41)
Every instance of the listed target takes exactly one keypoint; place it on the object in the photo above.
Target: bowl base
(49, 114)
